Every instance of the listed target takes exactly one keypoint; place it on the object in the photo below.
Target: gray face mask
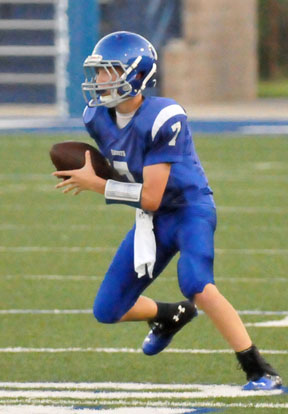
(95, 93)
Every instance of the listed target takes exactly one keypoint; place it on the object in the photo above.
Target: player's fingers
(64, 183)
(62, 173)
(88, 157)
(88, 161)
(77, 191)
(70, 188)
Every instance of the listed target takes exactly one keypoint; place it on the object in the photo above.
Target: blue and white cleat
(160, 336)
(156, 340)
(265, 383)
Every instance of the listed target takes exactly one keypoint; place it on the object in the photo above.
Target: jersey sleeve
(88, 115)
(91, 122)
(169, 140)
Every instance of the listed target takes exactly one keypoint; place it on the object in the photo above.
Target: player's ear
(139, 75)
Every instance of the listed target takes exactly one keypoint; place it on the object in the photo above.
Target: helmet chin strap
(106, 101)
(113, 99)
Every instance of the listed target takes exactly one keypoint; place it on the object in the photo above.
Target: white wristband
(123, 193)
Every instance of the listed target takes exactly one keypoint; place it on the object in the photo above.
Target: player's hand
(81, 179)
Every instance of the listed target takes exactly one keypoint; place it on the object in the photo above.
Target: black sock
(253, 364)
(175, 314)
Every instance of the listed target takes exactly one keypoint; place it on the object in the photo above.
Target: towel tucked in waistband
(144, 244)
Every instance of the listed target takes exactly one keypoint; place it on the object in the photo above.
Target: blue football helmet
(136, 58)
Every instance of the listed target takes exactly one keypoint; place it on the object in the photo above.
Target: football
(70, 155)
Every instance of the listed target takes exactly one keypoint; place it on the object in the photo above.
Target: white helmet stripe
(164, 115)
(148, 77)
(134, 65)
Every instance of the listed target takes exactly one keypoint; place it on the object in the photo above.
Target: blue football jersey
(157, 133)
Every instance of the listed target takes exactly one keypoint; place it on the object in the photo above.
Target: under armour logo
(176, 317)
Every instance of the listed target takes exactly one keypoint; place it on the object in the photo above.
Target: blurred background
(216, 57)
(226, 62)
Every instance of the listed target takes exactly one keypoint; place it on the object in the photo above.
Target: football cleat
(259, 373)
(160, 336)
(265, 383)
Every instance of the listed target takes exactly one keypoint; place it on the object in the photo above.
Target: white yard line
(46, 249)
(58, 227)
(57, 277)
(270, 279)
(103, 207)
(282, 323)
(249, 177)
(252, 210)
(88, 311)
(25, 177)
(45, 311)
(134, 408)
(99, 249)
(128, 350)
(123, 386)
(67, 410)
(82, 227)
(230, 279)
(201, 392)
(31, 188)
(262, 312)
(28, 398)
(65, 207)
(210, 404)
(151, 409)
(218, 174)
(266, 252)
(97, 386)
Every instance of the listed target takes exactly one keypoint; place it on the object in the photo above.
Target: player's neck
(131, 105)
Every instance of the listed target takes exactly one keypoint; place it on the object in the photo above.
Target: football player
(148, 141)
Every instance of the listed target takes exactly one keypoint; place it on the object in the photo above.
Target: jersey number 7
(175, 128)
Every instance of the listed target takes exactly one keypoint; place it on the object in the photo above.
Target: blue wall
(83, 34)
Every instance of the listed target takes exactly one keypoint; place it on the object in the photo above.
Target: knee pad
(194, 274)
(104, 313)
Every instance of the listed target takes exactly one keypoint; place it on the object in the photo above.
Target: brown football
(70, 155)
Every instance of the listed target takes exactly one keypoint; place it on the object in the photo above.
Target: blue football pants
(188, 230)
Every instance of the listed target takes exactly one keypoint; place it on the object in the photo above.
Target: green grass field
(273, 88)
(55, 249)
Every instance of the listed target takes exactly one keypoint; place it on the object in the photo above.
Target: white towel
(144, 244)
